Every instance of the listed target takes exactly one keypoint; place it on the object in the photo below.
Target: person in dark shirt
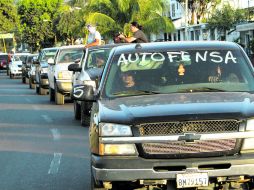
(138, 34)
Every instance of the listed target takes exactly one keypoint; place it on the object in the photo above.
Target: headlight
(117, 149)
(64, 75)
(111, 130)
(248, 144)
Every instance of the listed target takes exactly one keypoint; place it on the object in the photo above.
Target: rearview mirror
(51, 61)
(74, 67)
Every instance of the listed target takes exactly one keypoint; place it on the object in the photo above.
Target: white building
(184, 31)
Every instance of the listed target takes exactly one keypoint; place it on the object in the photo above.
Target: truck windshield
(186, 71)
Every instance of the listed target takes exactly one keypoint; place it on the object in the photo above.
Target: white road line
(36, 107)
(56, 134)
(55, 163)
(28, 100)
(47, 118)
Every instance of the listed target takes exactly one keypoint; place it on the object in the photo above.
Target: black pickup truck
(173, 115)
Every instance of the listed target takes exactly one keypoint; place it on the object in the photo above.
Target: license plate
(192, 180)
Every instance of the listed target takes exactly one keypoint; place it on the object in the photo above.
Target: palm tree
(115, 15)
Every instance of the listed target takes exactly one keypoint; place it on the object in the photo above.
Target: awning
(245, 27)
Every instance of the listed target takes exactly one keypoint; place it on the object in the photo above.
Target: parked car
(88, 71)
(3, 61)
(15, 66)
(41, 70)
(58, 75)
(26, 66)
(173, 115)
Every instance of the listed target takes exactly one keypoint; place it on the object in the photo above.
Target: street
(42, 145)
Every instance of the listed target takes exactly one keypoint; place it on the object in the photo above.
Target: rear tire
(51, 94)
(77, 110)
(43, 91)
(37, 89)
(59, 98)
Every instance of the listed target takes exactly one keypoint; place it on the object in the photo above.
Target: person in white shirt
(94, 37)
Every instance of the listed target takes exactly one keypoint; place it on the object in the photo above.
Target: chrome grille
(204, 126)
(180, 147)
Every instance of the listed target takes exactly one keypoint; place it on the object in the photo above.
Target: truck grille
(189, 148)
(173, 128)
(195, 149)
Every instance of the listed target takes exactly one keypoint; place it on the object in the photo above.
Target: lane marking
(36, 107)
(56, 134)
(28, 100)
(55, 163)
(47, 118)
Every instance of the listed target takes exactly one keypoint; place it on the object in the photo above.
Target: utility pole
(186, 20)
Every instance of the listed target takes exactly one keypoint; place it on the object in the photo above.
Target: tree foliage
(8, 16)
(36, 18)
(70, 23)
(199, 9)
(224, 19)
(115, 15)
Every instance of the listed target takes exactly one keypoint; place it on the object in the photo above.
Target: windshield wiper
(136, 92)
(202, 89)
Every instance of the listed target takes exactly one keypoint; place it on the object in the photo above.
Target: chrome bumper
(64, 85)
(139, 174)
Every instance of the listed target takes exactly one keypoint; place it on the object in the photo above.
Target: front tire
(77, 110)
(85, 118)
(59, 98)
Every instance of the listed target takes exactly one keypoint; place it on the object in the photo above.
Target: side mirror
(83, 93)
(77, 61)
(74, 67)
(51, 61)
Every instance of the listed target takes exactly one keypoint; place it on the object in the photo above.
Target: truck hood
(165, 107)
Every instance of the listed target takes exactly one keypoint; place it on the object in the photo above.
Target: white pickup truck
(59, 77)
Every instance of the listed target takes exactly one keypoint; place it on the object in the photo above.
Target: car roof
(174, 45)
(51, 48)
(71, 47)
(107, 46)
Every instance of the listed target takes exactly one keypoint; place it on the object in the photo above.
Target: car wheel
(59, 98)
(37, 89)
(51, 94)
(23, 80)
(11, 76)
(77, 110)
(43, 91)
(85, 118)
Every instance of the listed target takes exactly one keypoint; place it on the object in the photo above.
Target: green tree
(8, 16)
(226, 18)
(71, 23)
(115, 15)
(199, 9)
(36, 18)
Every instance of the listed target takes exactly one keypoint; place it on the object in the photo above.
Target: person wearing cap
(94, 37)
(138, 34)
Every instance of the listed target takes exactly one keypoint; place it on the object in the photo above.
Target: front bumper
(64, 86)
(136, 168)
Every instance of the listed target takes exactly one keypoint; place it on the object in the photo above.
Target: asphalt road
(42, 146)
